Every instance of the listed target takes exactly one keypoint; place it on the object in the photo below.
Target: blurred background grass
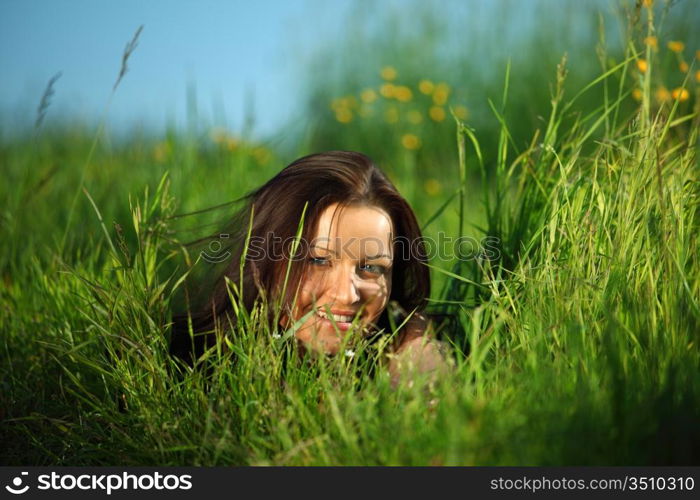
(387, 85)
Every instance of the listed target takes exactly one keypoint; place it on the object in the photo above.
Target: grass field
(576, 344)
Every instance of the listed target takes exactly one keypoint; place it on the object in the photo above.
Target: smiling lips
(342, 321)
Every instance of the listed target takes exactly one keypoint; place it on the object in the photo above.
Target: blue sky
(227, 52)
(230, 54)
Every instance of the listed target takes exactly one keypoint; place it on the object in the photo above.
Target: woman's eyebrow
(318, 247)
(367, 257)
(378, 256)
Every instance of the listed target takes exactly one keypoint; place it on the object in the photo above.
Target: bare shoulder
(417, 351)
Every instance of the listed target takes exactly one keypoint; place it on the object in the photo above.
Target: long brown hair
(307, 186)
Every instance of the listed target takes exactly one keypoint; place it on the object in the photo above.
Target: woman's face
(348, 276)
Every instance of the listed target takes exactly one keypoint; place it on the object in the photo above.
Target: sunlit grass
(576, 344)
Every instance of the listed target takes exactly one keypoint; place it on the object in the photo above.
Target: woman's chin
(322, 344)
(324, 337)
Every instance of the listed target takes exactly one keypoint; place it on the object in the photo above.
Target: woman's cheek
(382, 288)
(311, 294)
(378, 292)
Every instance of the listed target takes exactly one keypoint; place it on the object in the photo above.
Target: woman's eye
(373, 269)
(318, 261)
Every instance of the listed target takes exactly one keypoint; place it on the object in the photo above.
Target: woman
(360, 248)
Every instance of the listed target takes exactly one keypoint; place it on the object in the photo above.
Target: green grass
(577, 345)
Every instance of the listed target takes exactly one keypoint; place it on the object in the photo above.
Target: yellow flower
(697, 76)
(261, 155)
(219, 135)
(676, 46)
(388, 73)
(343, 115)
(432, 187)
(652, 42)
(391, 115)
(343, 102)
(662, 94)
(161, 151)
(642, 65)
(637, 94)
(403, 93)
(680, 93)
(683, 66)
(410, 141)
(442, 92)
(368, 96)
(437, 113)
(387, 90)
(648, 3)
(426, 87)
(415, 117)
(222, 138)
(461, 112)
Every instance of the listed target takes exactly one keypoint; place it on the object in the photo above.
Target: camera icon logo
(17, 483)
(217, 253)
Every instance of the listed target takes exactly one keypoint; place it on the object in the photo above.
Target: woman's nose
(343, 287)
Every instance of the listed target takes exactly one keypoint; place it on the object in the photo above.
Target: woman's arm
(416, 351)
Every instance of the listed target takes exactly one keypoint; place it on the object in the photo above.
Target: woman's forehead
(368, 225)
